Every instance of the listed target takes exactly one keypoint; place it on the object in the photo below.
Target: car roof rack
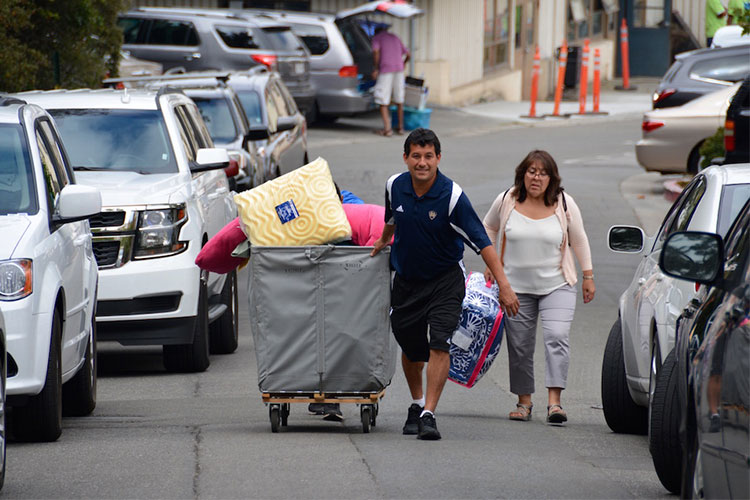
(219, 76)
(6, 100)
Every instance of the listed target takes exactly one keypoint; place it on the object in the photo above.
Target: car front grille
(107, 219)
(106, 252)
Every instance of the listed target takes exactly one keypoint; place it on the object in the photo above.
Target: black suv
(702, 396)
(737, 126)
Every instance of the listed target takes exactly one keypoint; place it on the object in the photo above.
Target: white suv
(48, 275)
(164, 194)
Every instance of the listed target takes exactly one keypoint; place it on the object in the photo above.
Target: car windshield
(218, 118)
(283, 40)
(733, 198)
(251, 104)
(116, 139)
(17, 193)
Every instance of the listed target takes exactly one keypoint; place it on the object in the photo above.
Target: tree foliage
(58, 43)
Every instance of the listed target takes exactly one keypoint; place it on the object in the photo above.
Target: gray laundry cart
(320, 323)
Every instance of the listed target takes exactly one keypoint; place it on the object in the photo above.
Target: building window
(496, 33)
(592, 18)
(648, 13)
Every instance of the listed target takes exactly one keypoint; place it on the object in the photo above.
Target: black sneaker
(316, 408)
(332, 412)
(428, 428)
(412, 420)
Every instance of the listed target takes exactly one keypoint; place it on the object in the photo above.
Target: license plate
(299, 68)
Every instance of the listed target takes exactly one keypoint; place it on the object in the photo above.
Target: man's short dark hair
(421, 137)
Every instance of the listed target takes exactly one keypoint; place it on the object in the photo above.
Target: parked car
(3, 381)
(340, 60)
(672, 137)
(165, 194)
(48, 275)
(698, 72)
(202, 39)
(277, 127)
(712, 362)
(224, 117)
(737, 126)
(644, 332)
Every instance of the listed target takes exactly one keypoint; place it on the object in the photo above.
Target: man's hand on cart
(384, 239)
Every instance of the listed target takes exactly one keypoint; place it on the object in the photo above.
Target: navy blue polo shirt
(428, 242)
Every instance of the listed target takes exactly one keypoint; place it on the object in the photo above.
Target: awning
(396, 8)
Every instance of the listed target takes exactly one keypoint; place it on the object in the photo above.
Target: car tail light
(729, 135)
(660, 96)
(697, 286)
(268, 60)
(650, 125)
(348, 71)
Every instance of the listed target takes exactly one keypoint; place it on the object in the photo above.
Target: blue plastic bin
(413, 118)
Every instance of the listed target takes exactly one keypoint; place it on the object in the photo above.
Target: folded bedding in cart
(296, 209)
(319, 319)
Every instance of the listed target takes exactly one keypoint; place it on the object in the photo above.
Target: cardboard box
(416, 97)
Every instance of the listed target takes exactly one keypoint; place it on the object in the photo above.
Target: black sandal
(556, 417)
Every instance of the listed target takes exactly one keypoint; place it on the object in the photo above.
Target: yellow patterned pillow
(297, 209)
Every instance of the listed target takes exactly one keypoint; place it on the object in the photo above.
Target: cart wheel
(376, 410)
(273, 413)
(366, 414)
(284, 414)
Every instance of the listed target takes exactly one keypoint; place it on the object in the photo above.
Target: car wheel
(79, 393)
(620, 411)
(41, 418)
(187, 358)
(225, 330)
(694, 160)
(664, 437)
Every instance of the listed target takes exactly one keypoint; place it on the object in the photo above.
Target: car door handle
(81, 240)
(193, 56)
(641, 281)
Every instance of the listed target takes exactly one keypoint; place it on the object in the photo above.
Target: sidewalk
(616, 103)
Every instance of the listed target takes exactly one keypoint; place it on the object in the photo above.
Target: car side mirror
(693, 256)
(210, 159)
(77, 202)
(257, 134)
(286, 123)
(626, 239)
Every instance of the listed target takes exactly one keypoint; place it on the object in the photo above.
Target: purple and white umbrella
(396, 8)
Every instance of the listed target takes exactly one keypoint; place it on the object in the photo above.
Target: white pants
(389, 85)
(556, 310)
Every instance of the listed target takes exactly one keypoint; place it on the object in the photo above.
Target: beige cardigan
(570, 221)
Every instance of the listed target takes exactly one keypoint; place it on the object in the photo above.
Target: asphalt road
(159, 435)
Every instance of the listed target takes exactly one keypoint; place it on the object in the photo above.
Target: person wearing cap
(431, 219)
(716, 17)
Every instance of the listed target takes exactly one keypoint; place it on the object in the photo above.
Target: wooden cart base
(279, 405)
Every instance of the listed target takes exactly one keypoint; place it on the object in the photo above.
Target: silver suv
(199, 39)
(164, 195)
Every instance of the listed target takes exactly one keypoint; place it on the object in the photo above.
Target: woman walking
(536, 229)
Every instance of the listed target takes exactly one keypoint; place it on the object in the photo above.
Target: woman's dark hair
(422, 137)
(547, 163)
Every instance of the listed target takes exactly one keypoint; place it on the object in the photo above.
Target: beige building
(467, 50)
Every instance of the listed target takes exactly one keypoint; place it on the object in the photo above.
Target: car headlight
(15, 279)
(159, 231)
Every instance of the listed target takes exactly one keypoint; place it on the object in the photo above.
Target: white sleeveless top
(532, 254)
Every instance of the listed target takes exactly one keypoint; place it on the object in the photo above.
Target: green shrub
(713, 147)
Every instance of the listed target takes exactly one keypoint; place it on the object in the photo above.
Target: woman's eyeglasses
(532, 172)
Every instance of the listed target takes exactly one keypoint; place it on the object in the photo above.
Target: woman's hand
(589, 289)
(509, 300)
(378, 246)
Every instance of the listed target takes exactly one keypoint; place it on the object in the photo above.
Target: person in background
(389, 55)
(431, 218)
(716, 17)
(536, 229)
(735, 9)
